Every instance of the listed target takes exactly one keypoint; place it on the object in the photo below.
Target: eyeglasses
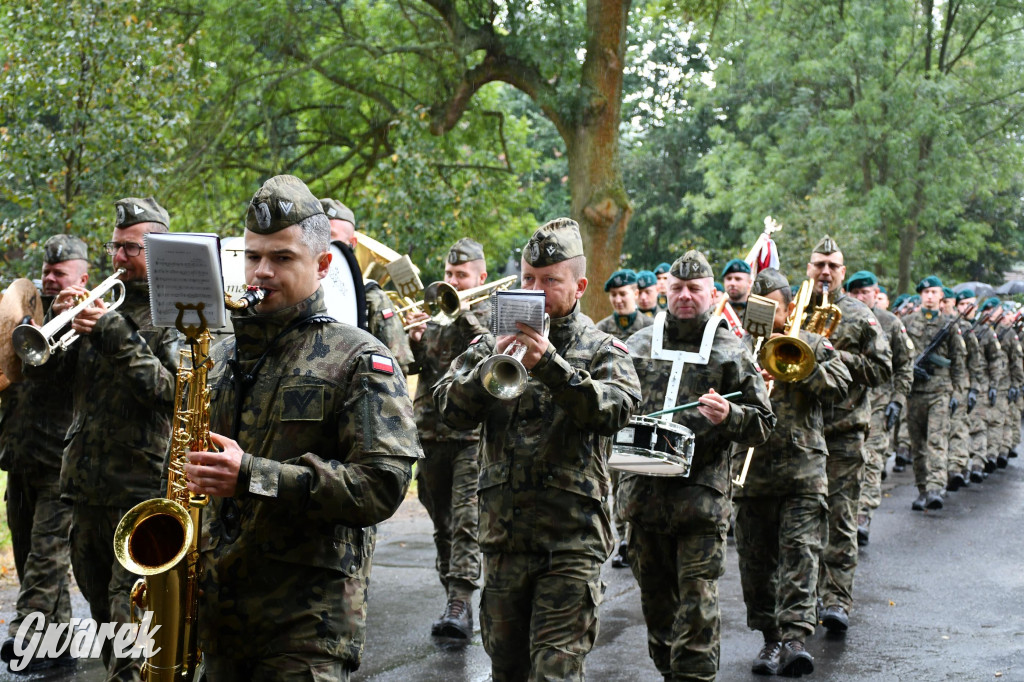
(131, 249)
(821, 265)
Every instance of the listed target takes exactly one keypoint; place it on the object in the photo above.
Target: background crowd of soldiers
(316, 436)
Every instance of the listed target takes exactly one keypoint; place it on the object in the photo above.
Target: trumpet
(503, 375)
(789, 358)
(35, 345)
(826, 317)
(441, 298)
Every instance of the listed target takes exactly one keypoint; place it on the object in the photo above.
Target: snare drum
(653, 447)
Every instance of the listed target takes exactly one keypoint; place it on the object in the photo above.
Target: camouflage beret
(620, 278)
(965, 294)
(555, 241)
(899, 300)
(767, 281)
(662, 269)
(948, 293)
(719, 287)
(927, 283)
(62, 247)
(464, 251)
(826, 246)
(735, 265)
(336, 210)
(281, 202)
(132, 211)
(691, 265)
(860, 280)
(645, 279)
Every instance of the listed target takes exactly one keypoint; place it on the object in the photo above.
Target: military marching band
(744, 400)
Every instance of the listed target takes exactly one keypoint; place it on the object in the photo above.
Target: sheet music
(185, 268)
(516, 305)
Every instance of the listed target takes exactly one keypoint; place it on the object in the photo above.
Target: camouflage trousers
(844, 467)
(876, 452)
(620, 523)
(977, 425)
(446, 481)
(903, 431)
(1011, 426)
(291, 667)
(779, 541)
(928, 425)
(957, 456)
(105, 584)
(678, 577)
(538, 614)
(39, 524)
(997, 422)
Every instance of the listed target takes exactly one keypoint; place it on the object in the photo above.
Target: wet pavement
(939, 596)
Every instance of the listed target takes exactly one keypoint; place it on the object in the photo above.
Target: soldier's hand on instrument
(714, 407)
(68, 298)
(536, 343)
(215, 473)
(412, 317)
(85, 321)
(767, 376)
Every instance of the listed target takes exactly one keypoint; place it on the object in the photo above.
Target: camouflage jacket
(976, 366)
(387, 326)
(543, 476)
(327, 429)
(898, 386)
(991, 356)
(947, 365)
(1014, 369)
(671, 504)
(613, 325)
(865, 351)
(442, 343)
(122, 379)
(34, 417)
(792, 461)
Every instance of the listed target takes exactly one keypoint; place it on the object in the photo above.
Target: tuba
(159, 538)
(789, 358)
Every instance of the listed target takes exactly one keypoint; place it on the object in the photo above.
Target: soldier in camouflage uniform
(626, 318)
(934, 397)
(122, 373)
(647, 292)
(736, 279)
(381, 320)
(888, 401)
(992, 362)
(36, 415)
(447, 476)
(677, 524)
(865, 351)
(545, 527)
(317, 437)
(780, 510)
(958, 473)
(1008, 432)
(661, 272)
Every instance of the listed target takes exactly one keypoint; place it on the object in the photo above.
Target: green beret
(735, 265)
(915, 299)
(899, 300)
(691, 265)
(990, 303)
(826, 246)
(860, 280)
(620, 278)
(281, 202)
(62, 247)
(464, 251)
(132, 211)
(336, 210)
(948, 293)
(553, 242)
(662, 268)
(767, 281)
(927, 283)
(965, 294)
(719, 287)
(882, 289)
(646, 279)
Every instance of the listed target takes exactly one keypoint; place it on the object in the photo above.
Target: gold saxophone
(159, 538)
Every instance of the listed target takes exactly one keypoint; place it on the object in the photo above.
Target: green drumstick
(695, 403)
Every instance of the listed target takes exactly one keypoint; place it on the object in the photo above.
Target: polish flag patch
(621, 346)
(873, 323)
(476, 339)
(387, 313)
(828, 344)
(379, 363)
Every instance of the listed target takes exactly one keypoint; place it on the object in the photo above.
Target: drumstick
(687, 406)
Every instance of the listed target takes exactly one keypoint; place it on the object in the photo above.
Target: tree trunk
(908, 237)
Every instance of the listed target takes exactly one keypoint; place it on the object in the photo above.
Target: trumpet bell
(787, 358)
(443, 297)
(30, 345)
(503, 376)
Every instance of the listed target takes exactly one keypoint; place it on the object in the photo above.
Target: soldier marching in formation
(315, 438)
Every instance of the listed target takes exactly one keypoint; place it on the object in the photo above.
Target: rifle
(924, 360)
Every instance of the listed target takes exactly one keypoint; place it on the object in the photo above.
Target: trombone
(35, 345)
(441, 298)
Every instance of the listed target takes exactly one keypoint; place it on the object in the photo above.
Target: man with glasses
(122, 375)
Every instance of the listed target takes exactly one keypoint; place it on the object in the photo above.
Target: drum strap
(679, 358)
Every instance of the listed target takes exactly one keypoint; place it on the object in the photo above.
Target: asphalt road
(939, 596)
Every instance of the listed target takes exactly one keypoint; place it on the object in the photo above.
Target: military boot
(990, 465)
(863, 529)
(977, 474)
(457, 621)
(1002, 459)
(902, 457)
(619, 559)
(835, 618)
(767, 661)
(795, 659)
(955, 482)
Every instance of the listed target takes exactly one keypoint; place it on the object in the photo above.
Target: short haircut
(578, 266)
(316, 233)
(787, 296)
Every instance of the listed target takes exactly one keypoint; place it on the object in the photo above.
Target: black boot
(457, 621)
(795, 660)
(619, 559)
(767, 661)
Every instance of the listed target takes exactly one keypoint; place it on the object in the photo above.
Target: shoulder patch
(476, 339)
(382, 364)
(827, 344)
(873, 322)
(621, 346)
(387, 313)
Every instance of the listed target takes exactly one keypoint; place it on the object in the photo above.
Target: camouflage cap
(662, 269)
(620, 278)
(965, 294)
(826, 246)
(990, 303)
(464, 251)
(767, 281)
(132, 211)
(927, 283)
(336, 210)
(735, 265)
(555, 241)
(645, 279)
(948, 293)
(62, 247)
(691, 265)
(861, 280)
(281, 202)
